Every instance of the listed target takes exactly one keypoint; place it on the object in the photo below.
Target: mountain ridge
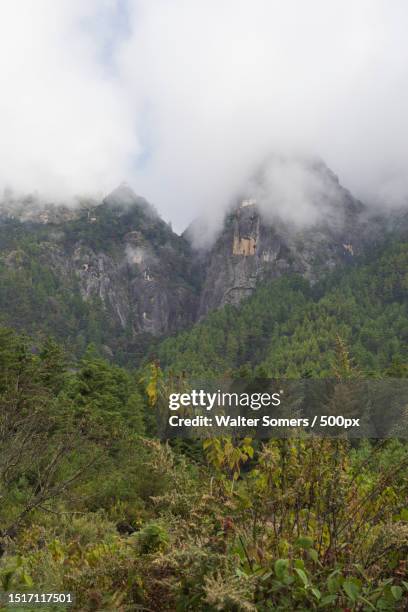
(115, 271)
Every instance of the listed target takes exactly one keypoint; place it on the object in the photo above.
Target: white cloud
(65, 125)
(198, 93)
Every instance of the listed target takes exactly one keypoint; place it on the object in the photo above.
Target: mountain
(107, 272)
(256, 244)
(113, 273)
(290, 328)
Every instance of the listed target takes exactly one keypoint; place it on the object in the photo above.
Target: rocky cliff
(113, 272)
(118, 256)
(259, 242)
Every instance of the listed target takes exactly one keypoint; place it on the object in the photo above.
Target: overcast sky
(183, 98)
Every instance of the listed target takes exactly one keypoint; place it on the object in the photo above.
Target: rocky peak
(117, 252)
(119, 257)
(123, 198)
(294, 217)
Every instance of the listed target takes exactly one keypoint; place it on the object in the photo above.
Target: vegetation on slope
(288, 328)
(92, 503)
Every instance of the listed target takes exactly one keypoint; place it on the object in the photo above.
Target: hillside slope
(289, 327)
(108, 273)
(113, 273)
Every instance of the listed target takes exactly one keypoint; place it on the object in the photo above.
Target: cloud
(135, 255)
(302, 191)
(292, 192)
(66, 123)
(184, 99)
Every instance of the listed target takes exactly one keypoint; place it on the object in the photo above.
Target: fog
(184, 99)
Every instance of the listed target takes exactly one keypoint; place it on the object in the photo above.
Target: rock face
(250, 250)
(256, 245)
(119, 253)
(118, 267)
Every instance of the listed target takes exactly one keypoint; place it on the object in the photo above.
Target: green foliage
(227, 457)
(309, 524)
(41, 293)
(289, 329)
(107, 391)
(90, 504)
(151, 538)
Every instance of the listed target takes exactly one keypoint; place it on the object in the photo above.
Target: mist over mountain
(298, 191)
(225, 120)
(203, 305)
(185, 100)
(113, 272)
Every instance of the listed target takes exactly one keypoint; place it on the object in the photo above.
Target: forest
(94, 504)
(287, 328)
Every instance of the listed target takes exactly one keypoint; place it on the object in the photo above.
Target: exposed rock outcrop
(119, 256)
(118, 252)
(256, 244)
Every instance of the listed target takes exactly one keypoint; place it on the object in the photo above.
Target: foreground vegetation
(92, 504)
